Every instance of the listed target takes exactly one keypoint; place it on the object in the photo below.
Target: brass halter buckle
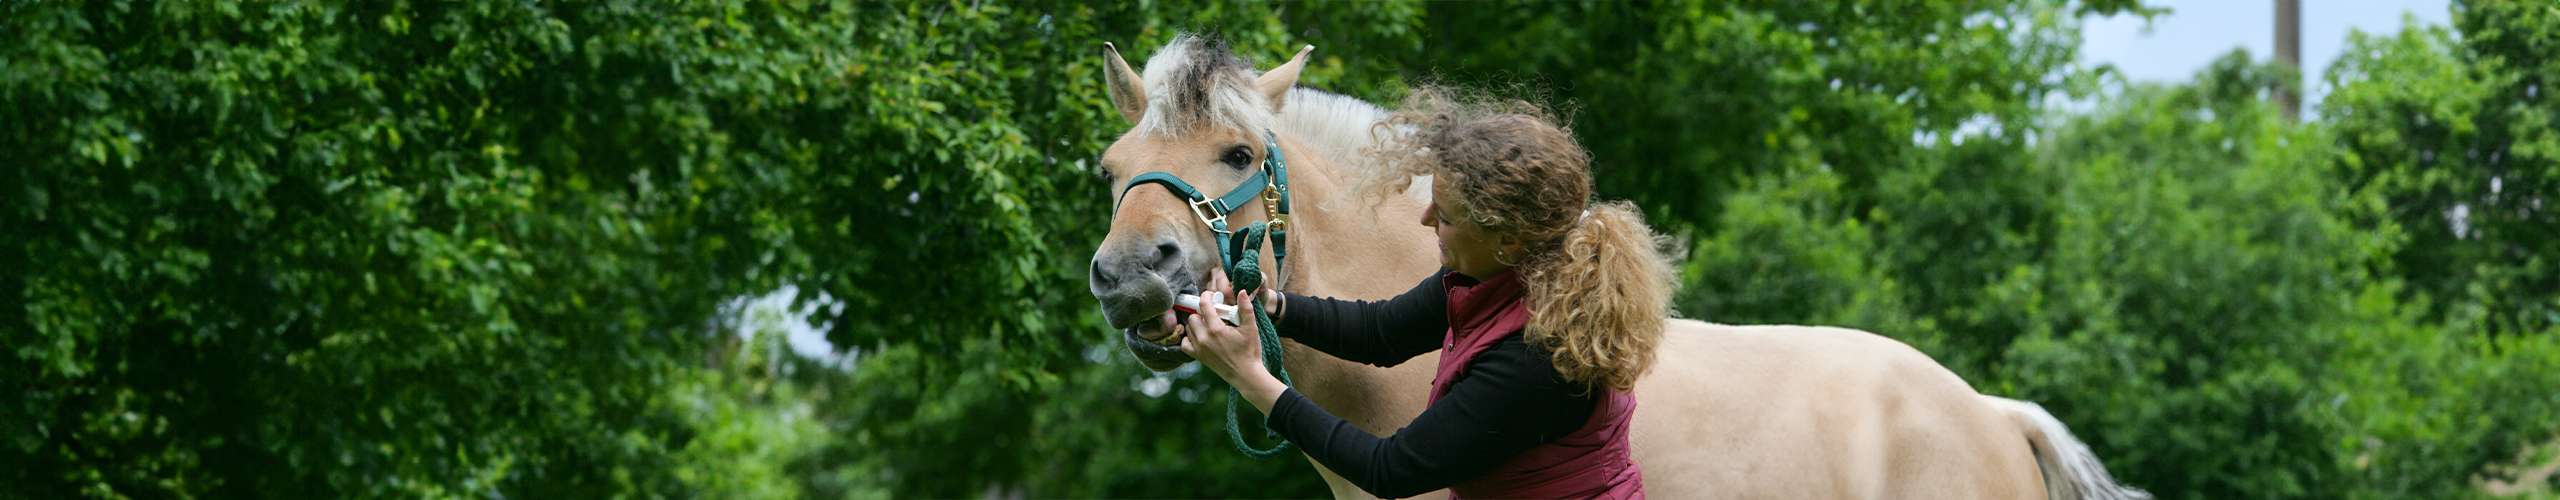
(1205, 206)
(1271, 208)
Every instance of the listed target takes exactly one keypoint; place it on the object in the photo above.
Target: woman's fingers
(1244, 315)
(1208, 340)
(1193, 325)
(1209, 301)
(1242, 335)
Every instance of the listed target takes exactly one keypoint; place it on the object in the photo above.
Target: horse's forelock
(1197, 81)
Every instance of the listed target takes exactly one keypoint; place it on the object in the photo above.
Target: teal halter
(1241, 257)
(1271, 184)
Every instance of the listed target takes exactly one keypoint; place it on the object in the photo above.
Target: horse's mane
(1339, 126)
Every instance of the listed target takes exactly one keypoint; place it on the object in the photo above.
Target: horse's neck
(1351, 251)
(1351, 248)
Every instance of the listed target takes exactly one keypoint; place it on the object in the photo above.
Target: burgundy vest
(1593, 462)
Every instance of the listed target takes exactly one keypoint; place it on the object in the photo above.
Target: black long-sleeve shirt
(1511, 400)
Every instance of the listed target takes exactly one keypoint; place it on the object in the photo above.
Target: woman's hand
(1233, 352)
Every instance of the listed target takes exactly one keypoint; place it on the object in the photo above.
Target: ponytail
(1598, 299)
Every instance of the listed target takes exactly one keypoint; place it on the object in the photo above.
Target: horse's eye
(1238, 157)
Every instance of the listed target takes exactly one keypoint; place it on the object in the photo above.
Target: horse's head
(1201, 114)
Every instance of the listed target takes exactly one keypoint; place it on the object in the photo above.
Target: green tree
(2189, 287)
(317, 249)
(2177, 275)
(382, 249)
(2446, 145)
(2460, 141)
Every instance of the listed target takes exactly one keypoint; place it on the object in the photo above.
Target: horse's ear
(1275, 83)
(1128, 92)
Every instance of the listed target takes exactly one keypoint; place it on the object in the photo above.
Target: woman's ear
(1510, 244)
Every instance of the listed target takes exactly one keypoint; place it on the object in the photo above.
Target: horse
(1726, 412)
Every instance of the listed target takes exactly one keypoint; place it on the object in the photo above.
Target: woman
(1547, 311)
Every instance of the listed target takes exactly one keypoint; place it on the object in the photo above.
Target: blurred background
(809, 249)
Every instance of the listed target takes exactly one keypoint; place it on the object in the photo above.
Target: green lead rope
(1244, 268)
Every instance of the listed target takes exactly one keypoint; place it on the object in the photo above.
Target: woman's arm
(1381, 333)
(1511, 400)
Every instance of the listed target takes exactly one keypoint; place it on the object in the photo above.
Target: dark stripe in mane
(1211, 63)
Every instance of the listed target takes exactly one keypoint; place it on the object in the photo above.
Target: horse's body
(1727, 412)
(1809, 412)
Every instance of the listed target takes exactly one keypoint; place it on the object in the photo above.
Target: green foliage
(2459, 142)
(2421, 409)
(758, 437)
(2447, 145)
(2176, 275)
(2186, 297)
(1786, 255)
(383, 249)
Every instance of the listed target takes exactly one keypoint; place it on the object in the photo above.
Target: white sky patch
(773, 312)
(1978, 125)
(2458, 219)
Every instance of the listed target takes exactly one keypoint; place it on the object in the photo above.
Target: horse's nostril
(1100, 279)
(1168, 254)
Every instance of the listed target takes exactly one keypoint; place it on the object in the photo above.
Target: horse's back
(1817, 412)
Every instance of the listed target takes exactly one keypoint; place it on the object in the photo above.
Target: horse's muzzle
(1135, 284)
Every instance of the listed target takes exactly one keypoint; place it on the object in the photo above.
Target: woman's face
(1464, 246)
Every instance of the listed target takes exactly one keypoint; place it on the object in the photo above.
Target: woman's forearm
(1260, 388)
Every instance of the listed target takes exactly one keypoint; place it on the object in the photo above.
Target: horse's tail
(2071, 472)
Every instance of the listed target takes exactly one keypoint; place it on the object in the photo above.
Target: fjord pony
(1727, 412)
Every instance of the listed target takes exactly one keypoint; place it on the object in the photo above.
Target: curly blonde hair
(1599, 286)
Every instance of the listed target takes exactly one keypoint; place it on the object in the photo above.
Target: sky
(774, 311)
(2178, 44)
